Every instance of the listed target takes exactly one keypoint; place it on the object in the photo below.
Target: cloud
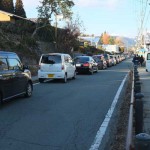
(97, 3)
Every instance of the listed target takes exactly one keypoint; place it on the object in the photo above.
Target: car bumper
(82, 69)
(51, 75)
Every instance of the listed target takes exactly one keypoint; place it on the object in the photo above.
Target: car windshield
(51, 59)
(81, 59)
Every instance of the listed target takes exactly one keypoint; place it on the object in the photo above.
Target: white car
(56, 66)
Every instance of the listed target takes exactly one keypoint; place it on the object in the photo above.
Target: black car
(102, 64)
(85, 64)
(15, 79)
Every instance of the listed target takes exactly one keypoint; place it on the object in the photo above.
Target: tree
(105, 38)
(0, 4)
(19, 10)
(7, 5)
(111, 40)
(52, 7)
(119, 42)
(68, 40)
(55, 7)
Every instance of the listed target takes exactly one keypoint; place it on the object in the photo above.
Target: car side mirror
(25, 67)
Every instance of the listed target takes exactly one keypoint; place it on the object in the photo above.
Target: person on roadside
(136, 60)
(141, 60)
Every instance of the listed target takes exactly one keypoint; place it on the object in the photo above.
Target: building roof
(14, 16)
(95, 39)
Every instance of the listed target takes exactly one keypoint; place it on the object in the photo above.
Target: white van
(56, 66)
(147, 61)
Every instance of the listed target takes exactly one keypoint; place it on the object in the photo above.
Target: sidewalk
(145, 89)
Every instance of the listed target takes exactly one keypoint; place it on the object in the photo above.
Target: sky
(117, 17)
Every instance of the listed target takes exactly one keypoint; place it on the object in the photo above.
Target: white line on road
(36, 83)
(102, 130)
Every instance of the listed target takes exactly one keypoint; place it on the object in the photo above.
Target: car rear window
(99, 57)
(81, 59)
(51, 59)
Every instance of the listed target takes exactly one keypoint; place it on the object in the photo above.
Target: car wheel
(96, 70)
(28, 90)
(91, 71)
(75, 74)
(41, 80)
(65, 79)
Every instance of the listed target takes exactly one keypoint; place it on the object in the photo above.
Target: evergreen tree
(19, 10)
(7, 5)
(0, 5)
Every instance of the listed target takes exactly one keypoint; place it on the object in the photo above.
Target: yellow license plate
(50, 75)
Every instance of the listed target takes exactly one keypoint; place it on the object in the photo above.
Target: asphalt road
(61, 116)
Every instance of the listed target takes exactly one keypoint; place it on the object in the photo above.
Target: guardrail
(129, 139)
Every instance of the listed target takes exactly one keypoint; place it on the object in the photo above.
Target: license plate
(50, 75)
(78, 65)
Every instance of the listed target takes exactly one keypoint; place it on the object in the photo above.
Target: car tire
(75, 74)
(28, 90)
(96, 70)
(65, 79)
(91, 71)
(41, 80)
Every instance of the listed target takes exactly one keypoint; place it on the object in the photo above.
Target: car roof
(83, 56)
(99, 55)
(4, 54)
(55, 54)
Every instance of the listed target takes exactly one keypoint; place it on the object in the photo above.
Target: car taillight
(86, 65)
(62, 67)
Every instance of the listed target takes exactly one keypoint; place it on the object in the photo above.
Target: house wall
(111, 48)
(5, 18)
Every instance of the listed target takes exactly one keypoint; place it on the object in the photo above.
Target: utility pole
(56, 32)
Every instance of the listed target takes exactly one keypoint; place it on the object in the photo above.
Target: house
(8, 17)
(93, 41)
(111, 48)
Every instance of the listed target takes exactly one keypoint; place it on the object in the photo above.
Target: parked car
(108, 60)
(15, 79)
(86, 64)
(117, 59)
(56, 66)
(102, 64)
(114, 62)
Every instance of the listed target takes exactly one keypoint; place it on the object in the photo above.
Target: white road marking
(102, 130)
(36, 83)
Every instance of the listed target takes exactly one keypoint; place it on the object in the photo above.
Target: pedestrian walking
(136, 59)
(141, 59)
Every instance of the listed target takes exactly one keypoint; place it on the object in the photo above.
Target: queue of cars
(15, 78)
